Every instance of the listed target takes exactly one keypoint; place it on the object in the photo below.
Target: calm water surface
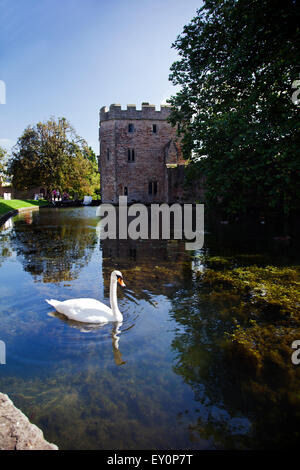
(154, 381)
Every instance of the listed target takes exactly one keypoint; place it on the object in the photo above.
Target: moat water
(155, 383)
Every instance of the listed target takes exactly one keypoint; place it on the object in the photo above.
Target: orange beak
(121, 282)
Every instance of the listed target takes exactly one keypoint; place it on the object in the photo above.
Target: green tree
(3, 155)
(93, 177)
(53, 156)
(238, 60)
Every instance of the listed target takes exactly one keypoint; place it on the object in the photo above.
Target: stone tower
(138, 155)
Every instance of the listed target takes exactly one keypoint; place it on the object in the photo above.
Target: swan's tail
(52, 302)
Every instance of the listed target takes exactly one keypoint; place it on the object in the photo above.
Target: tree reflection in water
(5, 244)
(55, 248)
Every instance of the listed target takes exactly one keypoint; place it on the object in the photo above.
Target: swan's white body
(91, 310)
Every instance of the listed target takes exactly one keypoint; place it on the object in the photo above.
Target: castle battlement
(147, 111)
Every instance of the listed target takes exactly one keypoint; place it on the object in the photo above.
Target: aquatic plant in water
(263, 306)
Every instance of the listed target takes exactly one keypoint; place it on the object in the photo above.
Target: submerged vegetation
(265, 292)
(261, 305)
(234, 348)
(264, 303)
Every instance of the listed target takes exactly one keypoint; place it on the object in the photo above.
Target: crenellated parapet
(147, 111)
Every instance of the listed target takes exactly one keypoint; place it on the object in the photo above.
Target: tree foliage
(51, 155)
(3, 154)
(238, 60)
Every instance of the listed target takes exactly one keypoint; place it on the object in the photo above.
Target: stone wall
(179, 191)
(16, 431)
(19, 194)
(5, 189)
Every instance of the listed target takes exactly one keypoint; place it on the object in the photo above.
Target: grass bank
(16, 204)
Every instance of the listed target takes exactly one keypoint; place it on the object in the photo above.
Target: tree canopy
(51, 155)
(3, 154)
(237, 62)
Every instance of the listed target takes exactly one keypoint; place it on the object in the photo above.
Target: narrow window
(152, 187)
(107, 154)
(154, 128)
(130, 127)
(125, 191)
(130, 155)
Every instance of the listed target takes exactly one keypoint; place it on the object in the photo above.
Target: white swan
(91, 310)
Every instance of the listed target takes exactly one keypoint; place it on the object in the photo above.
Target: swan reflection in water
(115, 344)
(89, 328)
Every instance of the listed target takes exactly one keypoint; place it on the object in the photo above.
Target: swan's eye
(120, 281)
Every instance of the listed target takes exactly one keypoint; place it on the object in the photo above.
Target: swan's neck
(113, 300)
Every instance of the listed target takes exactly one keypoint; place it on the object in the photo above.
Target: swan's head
(118, 276)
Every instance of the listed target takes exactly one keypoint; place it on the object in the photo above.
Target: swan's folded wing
(85, 310)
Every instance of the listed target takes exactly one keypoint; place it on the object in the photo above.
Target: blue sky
(71, 57)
